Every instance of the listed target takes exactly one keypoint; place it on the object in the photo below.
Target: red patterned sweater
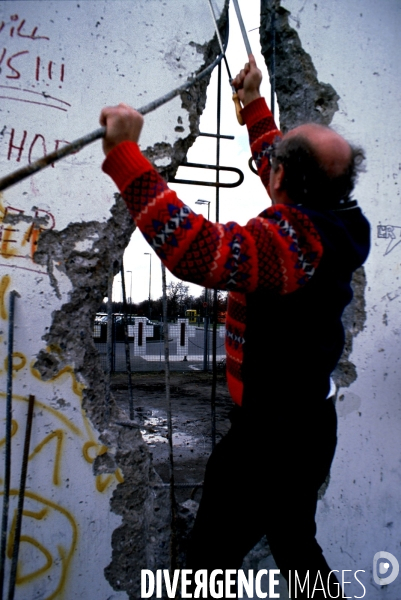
(279, 250)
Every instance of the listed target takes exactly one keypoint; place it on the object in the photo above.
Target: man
(288, 272)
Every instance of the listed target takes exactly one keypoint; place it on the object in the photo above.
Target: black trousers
(263, 478)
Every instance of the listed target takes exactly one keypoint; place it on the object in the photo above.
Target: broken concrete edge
(143, 538)
(302, 98)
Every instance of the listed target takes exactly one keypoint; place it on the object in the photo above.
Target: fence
(190, 346)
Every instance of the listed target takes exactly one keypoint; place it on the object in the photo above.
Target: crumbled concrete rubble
(301, 97)
(354, 318)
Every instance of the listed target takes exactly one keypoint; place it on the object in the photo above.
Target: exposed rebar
(109, 361)
(273, 64)
(49, 159)
(7, 458)
(173, 506)
(214, 337)
(127, 346)
(21, 498)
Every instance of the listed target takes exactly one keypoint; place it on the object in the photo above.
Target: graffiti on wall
(26, 63)
(391, 233)
(19, 234)
(25, 69)
(60, 472)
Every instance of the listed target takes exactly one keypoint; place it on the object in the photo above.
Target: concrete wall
(89, 502)
(338, 63)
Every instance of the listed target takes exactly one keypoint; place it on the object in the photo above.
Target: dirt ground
(192, 439)
(190, 393)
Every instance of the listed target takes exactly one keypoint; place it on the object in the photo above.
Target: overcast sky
(236, 204)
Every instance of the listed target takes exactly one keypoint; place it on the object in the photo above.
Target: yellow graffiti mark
(119, 475)
(54, 348)
(40, 405)
(20, 579)
(38, 515)
(14, 429)
(103, 482)
(77, 387)
(16, 366)
(4, 283)
(59, 435)
(87, 446)
(24, 538)
(64, 556)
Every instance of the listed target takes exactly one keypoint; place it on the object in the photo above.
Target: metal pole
(109, 357)
(150, 284)
(21, 498)
(7, 465)
(127, 346)
(214, 338)
(173, 545)
(273, 64)
(150, 279)
(130, 292)
(206, 335)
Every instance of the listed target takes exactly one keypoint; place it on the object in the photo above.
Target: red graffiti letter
(19, 148)
(35, 139)
(17, 73)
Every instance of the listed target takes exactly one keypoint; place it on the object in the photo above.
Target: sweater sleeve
(278, 250)
(263, 133)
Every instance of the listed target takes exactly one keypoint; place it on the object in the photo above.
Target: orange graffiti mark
(4, 283)
(59, 436)
(32, 235)
(7, 240)
(15, 236)
(64, 557)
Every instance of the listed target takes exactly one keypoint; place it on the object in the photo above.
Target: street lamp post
(130, 292)
(150, 279)
(200, 201)
(206, 317)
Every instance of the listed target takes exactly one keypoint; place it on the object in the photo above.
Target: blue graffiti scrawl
(392, 233)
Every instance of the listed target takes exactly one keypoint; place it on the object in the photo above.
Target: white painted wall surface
(61, 62)
(355, 46)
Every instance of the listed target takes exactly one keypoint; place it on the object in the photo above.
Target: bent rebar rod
(97, 134)
(7, 460)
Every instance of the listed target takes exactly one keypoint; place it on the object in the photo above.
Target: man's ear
(278, 178)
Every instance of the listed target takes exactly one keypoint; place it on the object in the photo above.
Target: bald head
(317, 166)
(331, 149)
